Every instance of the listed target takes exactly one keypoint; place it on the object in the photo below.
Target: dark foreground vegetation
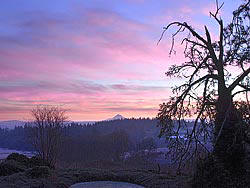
(18, 171)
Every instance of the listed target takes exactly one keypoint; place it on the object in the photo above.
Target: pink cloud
(186, 10)
(211, 7)
(52, 73)
(132, 99)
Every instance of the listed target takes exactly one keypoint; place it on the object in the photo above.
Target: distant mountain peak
(116, 117)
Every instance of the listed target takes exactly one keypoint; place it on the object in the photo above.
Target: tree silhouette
(46, 133)
(210, 88)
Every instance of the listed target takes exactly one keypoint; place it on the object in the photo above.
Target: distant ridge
(11, 124)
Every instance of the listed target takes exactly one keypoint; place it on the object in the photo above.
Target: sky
(95, 58)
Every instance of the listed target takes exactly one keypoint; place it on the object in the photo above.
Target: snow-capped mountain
(116, 117)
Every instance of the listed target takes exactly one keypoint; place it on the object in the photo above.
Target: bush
(28, 162)
(9, 167)
(38, 172)
(23, 159)
(37, 161)
(211, 173)
(35, 167)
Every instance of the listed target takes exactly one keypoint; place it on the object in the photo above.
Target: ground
(66, 177)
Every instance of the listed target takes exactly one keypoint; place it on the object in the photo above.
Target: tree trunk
(228, 141)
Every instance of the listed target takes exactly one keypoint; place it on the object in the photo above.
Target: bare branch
(239, 79)
(214, 15)
(247, 88)
(238, 92)
(186, 26)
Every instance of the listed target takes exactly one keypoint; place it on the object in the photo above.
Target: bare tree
(46, 134)
(210, 88)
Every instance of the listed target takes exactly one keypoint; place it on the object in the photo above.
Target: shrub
(37, 161)
(9, 167)
(212, 173)
(38, 172)
(23, 159)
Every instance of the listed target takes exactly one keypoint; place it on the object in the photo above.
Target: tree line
(105, 140)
